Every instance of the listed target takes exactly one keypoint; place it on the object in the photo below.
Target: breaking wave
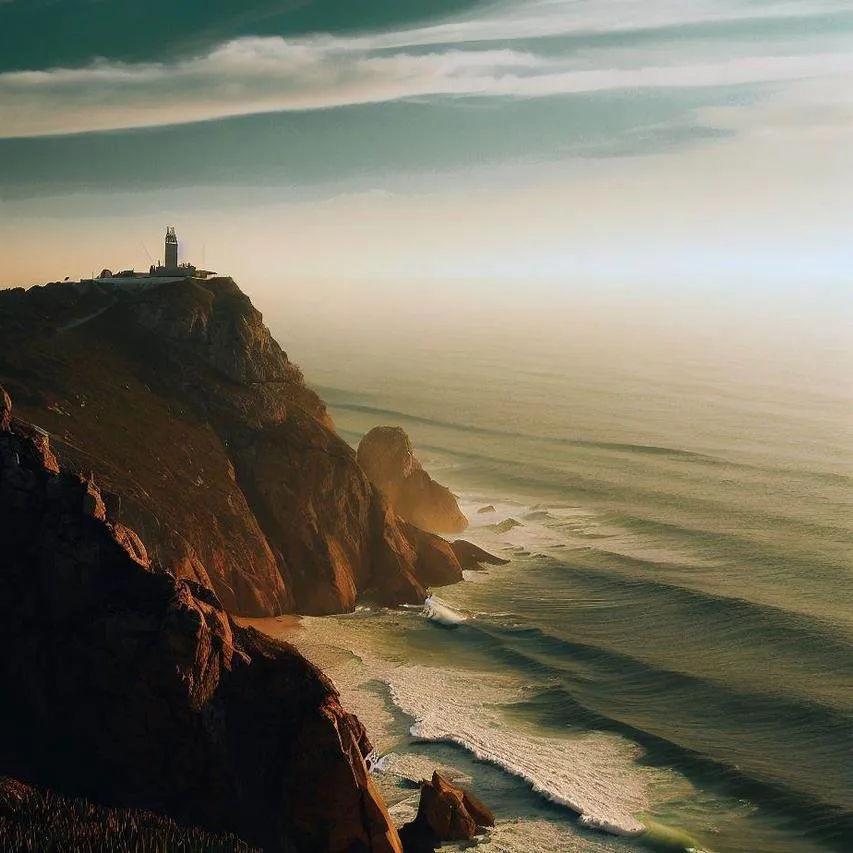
(437, 611)
(589, 774)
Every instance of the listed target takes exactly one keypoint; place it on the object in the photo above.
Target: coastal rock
(206, 442)
(385, 454)
(506, 525)
(436, 564)
(134, 689)
(334, 537)
(471, 556)
(486, 509)
(445, 813)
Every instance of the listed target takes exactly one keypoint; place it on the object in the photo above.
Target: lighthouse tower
(171, 255)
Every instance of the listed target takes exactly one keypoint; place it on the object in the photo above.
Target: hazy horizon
(693, 147)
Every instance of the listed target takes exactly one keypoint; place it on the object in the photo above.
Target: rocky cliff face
(135, 689)
(205, 440)
(387, 457)
(221, 326)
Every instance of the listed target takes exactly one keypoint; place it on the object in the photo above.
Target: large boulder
(124, 685)
(385, 454)
(445, 813)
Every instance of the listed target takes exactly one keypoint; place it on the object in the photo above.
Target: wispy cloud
(458, 59)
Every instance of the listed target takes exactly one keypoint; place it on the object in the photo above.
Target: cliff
(136, 690)
(205, 440)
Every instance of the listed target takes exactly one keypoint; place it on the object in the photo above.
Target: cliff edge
(204, 440)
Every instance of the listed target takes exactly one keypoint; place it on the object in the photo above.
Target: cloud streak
(461, 59)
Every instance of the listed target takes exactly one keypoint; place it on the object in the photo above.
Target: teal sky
(678, 145)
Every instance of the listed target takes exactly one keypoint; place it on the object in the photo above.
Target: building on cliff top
(170, 271)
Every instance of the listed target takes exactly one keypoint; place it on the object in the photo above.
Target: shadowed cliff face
(134, 689)
(206, 442)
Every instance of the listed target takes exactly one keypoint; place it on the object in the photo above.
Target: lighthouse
(171, 254)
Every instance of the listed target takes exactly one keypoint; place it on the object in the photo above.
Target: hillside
(137, 692)
(205, 440)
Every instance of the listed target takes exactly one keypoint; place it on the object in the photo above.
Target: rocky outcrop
(436, 563)
(333, 534)
(218, 321)
(127, 686)
(205, 440)
(385, 454)
(445, 813)
(472, 557)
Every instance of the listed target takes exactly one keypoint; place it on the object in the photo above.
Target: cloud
(459, 59)
(547, 18)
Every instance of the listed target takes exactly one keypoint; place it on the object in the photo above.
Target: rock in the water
(128, 687)
(471, 556)
(445, 813)
(484, 509)
(385, 454)
(506, 525)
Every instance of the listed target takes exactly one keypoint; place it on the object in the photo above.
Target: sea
(665, 662)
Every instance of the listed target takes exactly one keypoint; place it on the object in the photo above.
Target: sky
(397, 153)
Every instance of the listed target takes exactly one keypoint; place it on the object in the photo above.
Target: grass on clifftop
(34, 821)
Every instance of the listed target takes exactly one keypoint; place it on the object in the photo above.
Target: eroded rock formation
(445, 813)
(125, 685)
(385, 454)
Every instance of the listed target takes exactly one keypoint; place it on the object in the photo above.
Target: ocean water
(666, 662)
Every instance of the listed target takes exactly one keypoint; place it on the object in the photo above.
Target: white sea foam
(544, 528)
(439, 611)
(539, 835)
(590, 774)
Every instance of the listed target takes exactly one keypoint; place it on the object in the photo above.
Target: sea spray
(441, 613)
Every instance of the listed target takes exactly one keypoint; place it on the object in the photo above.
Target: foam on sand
(589, 774)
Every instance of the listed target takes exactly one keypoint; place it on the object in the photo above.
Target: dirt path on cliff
(79, 322)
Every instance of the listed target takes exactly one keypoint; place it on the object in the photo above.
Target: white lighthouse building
(171, 254)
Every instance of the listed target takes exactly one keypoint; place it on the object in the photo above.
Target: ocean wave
(592, 775)
(457, 426)
(616, 448)
(705, 729)
(624, 578)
